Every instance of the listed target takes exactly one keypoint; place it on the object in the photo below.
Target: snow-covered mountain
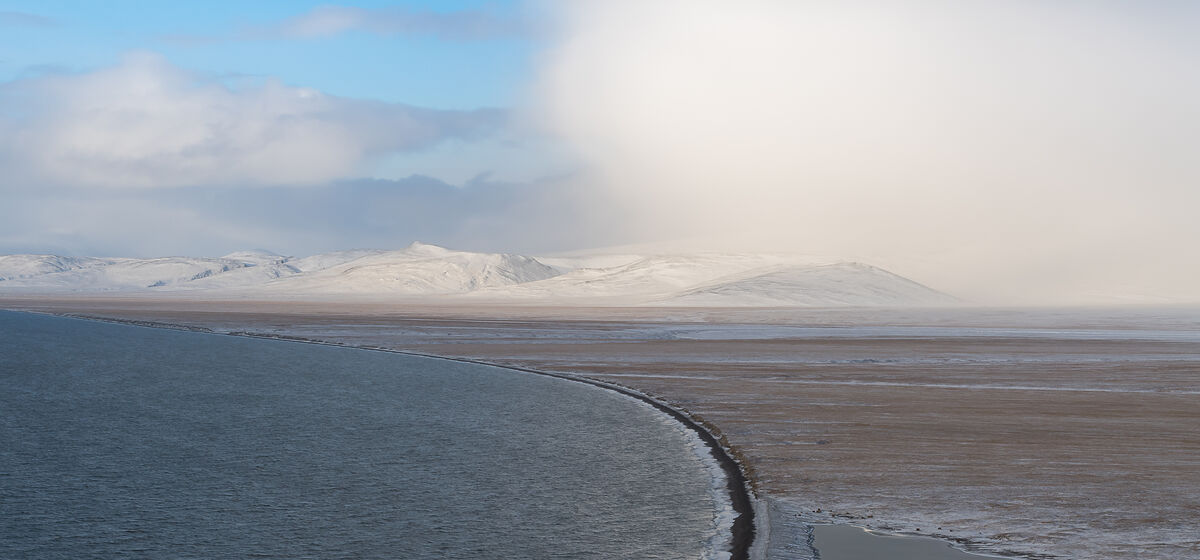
(70, 274)
(419, 269)
(15, 267)
(725, 280)
(640, 279)
(424, 271)
(848, 283)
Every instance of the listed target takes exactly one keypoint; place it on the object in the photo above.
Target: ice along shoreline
(745, 527)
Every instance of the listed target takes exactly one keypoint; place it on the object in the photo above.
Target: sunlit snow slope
(419, 269)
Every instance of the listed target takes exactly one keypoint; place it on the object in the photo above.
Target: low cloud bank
(482, 214)
(148, 124)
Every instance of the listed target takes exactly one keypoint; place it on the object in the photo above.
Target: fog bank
(1003, 151)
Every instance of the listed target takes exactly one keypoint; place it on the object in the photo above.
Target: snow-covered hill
(419, 269)
(725, 280)
(852, 284)
(644, 278)
(257, 267)
(425, 271)
(15, 267)
(58, 274)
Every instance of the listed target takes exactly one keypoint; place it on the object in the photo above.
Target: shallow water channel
(845, 542)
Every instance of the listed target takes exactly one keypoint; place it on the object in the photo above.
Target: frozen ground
(1070, 433)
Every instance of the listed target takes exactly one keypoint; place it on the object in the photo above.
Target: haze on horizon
(1003, 151)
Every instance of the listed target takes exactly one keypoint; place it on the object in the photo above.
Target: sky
(1001, 150)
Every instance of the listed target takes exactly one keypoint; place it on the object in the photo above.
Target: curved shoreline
(743, 530)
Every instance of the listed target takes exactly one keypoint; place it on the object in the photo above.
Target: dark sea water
(127, 442)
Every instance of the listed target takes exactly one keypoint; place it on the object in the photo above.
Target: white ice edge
(982, 387)
(719, 537)
(980, 546)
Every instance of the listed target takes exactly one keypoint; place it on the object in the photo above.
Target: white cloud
(147, 123)
(1005, 148)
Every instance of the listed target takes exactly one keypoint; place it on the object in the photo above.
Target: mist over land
(1020, 151)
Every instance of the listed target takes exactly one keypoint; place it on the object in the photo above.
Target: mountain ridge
(428, 271)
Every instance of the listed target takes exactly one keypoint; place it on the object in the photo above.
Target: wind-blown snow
(697, 279)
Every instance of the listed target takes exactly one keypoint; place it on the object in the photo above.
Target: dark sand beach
(1072, 434)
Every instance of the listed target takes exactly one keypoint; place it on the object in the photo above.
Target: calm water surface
(121, 441)
(844, 542)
